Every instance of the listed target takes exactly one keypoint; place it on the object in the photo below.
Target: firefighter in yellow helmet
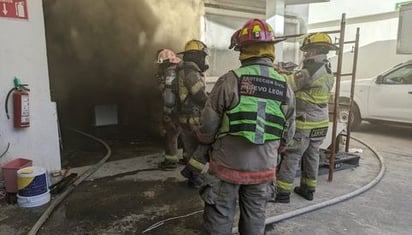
(191, 94)
(167, 62)
(312, 86)
(248, 115)
(195, 154)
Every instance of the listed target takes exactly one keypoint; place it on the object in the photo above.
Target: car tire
(355, 119)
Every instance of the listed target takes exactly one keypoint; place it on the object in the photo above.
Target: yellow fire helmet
(195, 45)
(318, 39)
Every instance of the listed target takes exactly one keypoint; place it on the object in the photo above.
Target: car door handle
(409, 92)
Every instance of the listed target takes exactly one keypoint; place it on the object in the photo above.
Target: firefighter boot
(282, 197)
(304, 192)
(168, 165)
(186, 172)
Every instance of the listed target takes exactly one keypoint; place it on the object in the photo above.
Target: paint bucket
(33, 201)
(32, 187)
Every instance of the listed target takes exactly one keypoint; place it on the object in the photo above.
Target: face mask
(166, 64)
(198, 58)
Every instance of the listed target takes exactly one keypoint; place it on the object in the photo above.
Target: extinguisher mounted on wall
(21, 108)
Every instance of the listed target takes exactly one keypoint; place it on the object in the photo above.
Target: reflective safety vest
(258, 116)
(317, 94)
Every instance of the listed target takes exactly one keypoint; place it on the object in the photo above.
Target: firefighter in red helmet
(191, 95)
(249, 114)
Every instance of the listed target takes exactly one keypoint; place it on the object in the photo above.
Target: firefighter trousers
(189, 140)
(303, 153)
(221, 199)
(171, 138)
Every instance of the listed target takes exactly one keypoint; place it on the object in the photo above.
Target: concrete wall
(218, 31)
(373, 59)
(285, 19)
(378, 24)
(23, 54)
(404, 44)
(321, 12)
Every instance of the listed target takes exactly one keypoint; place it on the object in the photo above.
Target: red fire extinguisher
(21, 105)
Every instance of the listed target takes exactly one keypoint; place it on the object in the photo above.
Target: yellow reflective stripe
(324, 79)
(310, 183)
(190, 120)
(309, 125)
(321, 99)
(173, 158)
(284, 186)
(196, 88)
(244, 31)
(196, 164)
(183, 92)
(256, 28)
(292, 82)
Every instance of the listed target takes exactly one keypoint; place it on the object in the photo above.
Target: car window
(402, 75)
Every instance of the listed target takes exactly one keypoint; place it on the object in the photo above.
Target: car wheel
(355, 119)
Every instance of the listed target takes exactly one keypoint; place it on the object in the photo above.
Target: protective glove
(282, 149)
(193, 175)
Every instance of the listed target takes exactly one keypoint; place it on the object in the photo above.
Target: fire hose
(76, 181)
(269, 220)
(300, 211)
(311, 208)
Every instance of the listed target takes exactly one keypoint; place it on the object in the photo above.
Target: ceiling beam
(295, 2)
(237, 7)
(233, 13)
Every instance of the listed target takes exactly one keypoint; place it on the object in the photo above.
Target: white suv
(386, 98)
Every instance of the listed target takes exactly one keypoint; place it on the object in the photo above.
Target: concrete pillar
(275, 16)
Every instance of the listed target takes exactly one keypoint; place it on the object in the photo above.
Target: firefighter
(249, 114)
(191, 93)
(167, 62)
(312, 86)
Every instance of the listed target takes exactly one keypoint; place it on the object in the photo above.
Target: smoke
(103, 52)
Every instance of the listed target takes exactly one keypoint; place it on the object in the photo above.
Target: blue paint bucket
(32, 187)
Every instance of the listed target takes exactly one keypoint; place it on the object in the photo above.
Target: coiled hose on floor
(270, 220)
(288, 215)
(56, 201)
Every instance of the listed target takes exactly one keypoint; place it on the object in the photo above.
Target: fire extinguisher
(21, 108)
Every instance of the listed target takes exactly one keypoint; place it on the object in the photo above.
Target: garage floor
(128, 195)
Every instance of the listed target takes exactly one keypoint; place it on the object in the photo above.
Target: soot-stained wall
(103, 52)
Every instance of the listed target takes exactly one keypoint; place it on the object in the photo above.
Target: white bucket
(34, 200)
(32, 188)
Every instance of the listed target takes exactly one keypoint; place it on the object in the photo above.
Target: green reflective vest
(318, 92)
(258, 116)
(312, 98)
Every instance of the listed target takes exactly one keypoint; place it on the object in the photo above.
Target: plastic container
(33, 201)
(32, 186)
(10, 172)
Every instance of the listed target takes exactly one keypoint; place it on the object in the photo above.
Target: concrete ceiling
(256, 6)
